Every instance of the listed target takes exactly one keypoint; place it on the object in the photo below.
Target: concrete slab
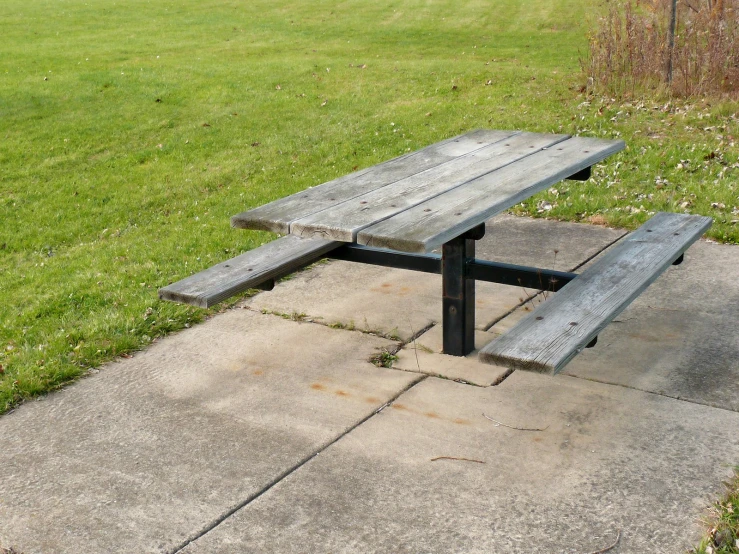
(680, 337)
(424, 356)
(152, 449)
(610, 460)
(398, 303)
(393, 302)
(527, 241)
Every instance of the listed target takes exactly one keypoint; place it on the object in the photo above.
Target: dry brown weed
(630, 48)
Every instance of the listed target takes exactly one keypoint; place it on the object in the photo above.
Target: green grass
(723, 535)
(681, 157)
(383, 359)
(131, 131)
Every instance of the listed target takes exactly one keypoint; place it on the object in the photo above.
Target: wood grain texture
(345, 220)
(430, 224)
(549, 337)
(277, 216)
(270, 261)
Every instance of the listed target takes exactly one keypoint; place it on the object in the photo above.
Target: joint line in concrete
(208, 528)
(671, 397)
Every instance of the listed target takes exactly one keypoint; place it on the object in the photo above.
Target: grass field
(131, 131)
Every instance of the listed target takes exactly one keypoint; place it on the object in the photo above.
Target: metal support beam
(458, 297)
(519, 275)
(427, 263)
(479, 270)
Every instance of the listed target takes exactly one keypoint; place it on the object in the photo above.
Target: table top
(419, 201)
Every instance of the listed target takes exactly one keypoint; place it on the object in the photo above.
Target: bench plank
(432, 223)
(344, 221)
(550, 336)
(277, 216)
(269, 261)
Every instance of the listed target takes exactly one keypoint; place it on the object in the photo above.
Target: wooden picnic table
(396, 213)
(418, 202)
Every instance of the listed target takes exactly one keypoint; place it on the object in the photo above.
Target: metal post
(671, 41)
(458, 292)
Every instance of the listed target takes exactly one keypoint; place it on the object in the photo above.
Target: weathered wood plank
(277, 216)
(270, 261)
(549, 337)
(432, 223)
(345, 220)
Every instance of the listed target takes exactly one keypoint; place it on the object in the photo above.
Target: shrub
(630, 48)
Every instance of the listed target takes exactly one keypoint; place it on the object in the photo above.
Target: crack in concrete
(502, 378)
(305, 318)
(415, 336)
(223, 517)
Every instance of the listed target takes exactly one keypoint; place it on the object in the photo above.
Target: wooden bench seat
(550, 336)
(249, 270)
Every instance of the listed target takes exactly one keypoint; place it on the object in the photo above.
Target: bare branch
(618, 537)
(691, 6)
(455, 458)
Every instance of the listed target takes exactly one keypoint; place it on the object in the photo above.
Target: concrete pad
(152, 449)
(610, 459)
(393, 302)
(527, 241)
(398, 303)
(424, 356)
(680, 337)
(511, 320)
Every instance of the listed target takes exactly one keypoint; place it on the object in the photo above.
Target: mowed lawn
(131, 130)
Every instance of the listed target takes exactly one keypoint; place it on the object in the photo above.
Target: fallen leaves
(543, 206)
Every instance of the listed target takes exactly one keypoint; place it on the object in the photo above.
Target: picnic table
(397, 213)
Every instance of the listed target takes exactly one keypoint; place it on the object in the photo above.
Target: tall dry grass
(629, 48)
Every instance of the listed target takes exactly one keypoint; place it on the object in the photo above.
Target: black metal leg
(458, 294)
